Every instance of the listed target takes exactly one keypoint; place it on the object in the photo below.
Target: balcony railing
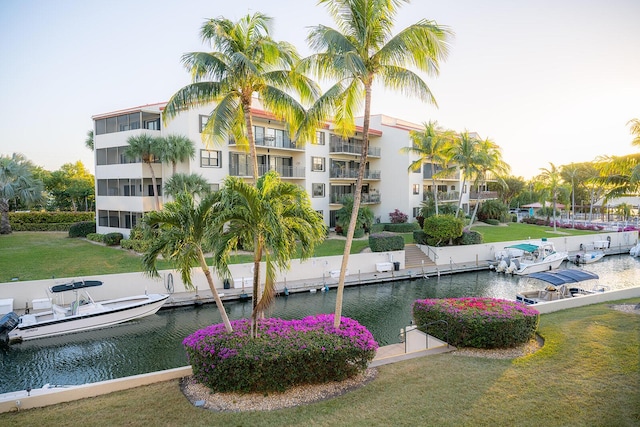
(271, 142)
(367, 198)
(443, 196)
(483, 195)
(352, 173)
(351, 148)
(283, 171)
(426, 174)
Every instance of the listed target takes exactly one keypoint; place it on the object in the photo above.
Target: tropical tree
(430, 146)
(190, 183)
(549, 183)
(634, 125)
(275, 216)
(175, 149)
(17, 184)
(622, 173)
(570, 174)
(343, 215)
(71, 187)
(88, 142)
(361, 51)
(463, 156)
(514, 185)
(145, 148)
(245, 61)
(488, 161)
(183, 232)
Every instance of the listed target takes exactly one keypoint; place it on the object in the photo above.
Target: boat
(586, 257)
(635, 251)
(82, 314)
(561, 286)
(535, 257)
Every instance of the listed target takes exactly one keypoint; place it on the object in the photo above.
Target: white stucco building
(326, 168)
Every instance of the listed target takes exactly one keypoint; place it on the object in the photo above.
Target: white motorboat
(586, 257)
(561, 286)
(535, 257)
(82, 314)
(635, 251)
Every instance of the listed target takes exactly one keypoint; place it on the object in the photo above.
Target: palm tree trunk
(214, 291)
(464, 182)
(257, 257)
(475, 209)
(435, 190)
(357, 197)
(5, 225)
(252, 143)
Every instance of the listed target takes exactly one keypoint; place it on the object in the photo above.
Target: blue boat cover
(562, 277)
(527, 247)
(72, 286)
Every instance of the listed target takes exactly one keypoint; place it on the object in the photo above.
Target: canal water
(155, 342)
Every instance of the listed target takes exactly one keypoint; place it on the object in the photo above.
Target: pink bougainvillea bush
(476, 322)
(285, 353)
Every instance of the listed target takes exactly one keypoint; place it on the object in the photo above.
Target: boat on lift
(562, 284)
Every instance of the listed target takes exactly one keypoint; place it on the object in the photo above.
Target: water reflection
(154, 343)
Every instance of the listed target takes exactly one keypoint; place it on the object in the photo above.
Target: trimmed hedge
(47, 221)
(82, 229)
(404, 227)
(420, 237)
(469, 237)
(286, 353)
(386, 241)
(476, 322)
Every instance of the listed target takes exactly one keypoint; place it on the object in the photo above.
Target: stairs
(414, 257)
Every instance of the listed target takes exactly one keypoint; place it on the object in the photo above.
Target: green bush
(420, 237)
(139, 246)
(469, 237)
(96, 237)
(47, 221)
(493, 209)
(442, 229)
(476, 322)
(405, 227)
(378, 228)
(286, 353)
(112, 239)
(385, 241)
(81, 229)
(491, 221)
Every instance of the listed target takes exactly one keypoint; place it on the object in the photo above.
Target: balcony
(341, 147)
(367, 198)
(483, 195)
(443, 196)
(426, 174)
(271, 142)
(283, 171)
(352, 173)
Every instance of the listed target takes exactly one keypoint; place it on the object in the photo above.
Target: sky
(548, 81)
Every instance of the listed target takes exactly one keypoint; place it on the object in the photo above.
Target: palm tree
(363, 50)
(183, 232)
(175, 149)
(549, 182)
(430, 147)
(622, 173)
(570, 173)
(88, 142)
(488, 161)
(245, 61)
(17, 184)
(190, 183)
(145, 148)
(634, 124)
(274, 215)
(463, 154)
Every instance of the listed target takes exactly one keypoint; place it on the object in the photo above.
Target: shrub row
(549, 223)
(286, 353)
(476, 322)
(139, 246)
(386, 241)
(42, 227)
(17, 218)
(110, 239)
(82, 229)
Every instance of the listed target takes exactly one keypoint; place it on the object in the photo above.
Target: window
(210, 159)
(203, 122)
(317, 189)
(416, 212)
(317, 164)
(214, 187)
(416, 188)
(319, 138)
(258, 135)
(122, 123)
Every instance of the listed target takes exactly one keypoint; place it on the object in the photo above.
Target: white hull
(551, 262)
(94, 316)
(635, 251)
(587, 257)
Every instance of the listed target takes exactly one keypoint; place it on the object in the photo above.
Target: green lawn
(520, 231)
(586, 374)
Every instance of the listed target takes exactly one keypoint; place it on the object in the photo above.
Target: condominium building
(326, 168)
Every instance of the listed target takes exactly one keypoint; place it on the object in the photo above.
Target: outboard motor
(7, 324)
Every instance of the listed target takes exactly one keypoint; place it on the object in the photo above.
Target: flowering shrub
(397, 217)
(476, 322)
(285, 353)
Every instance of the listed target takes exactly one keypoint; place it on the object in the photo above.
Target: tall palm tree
(570, 173)
(549, 182)
(634, 125)
(245, 61)
(17, 184)
(183, 232)
(488, 161)
(190, 183)
(463, 155)
(145, 148)
(274, 215)
(430, 147)
(88, 142)
(622, 173)
(175, 149)
(362, 50)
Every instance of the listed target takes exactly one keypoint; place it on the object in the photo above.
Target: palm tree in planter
(275, 216)
(146, 148)
(17, 183)
(343, 215)
(183, 232)
(363, 50)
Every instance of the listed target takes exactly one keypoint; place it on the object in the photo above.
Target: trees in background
(71, 188)
(17, 185)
